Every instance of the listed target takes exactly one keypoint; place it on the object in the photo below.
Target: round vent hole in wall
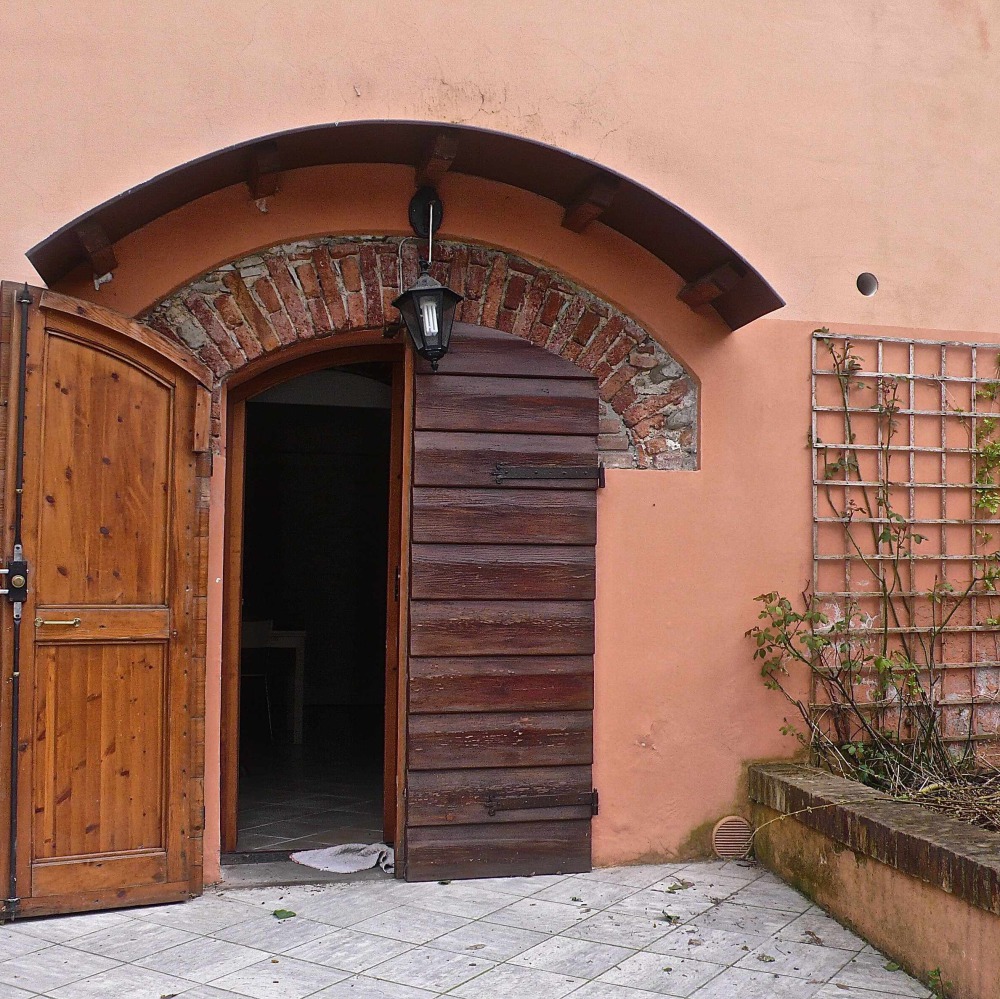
(732, 837)
(867, 284)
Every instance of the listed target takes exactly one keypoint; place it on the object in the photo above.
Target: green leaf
(679, 886)
(282, 913)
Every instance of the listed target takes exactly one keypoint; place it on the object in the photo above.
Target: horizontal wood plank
(469, 459)
(479, 351)
(507, 572)
(509, 666)
(506, 405)
(498, 627)
(490, 684)
(507, 849)
(508, 739)
(108, 624)
(444, 797)
(120, 870)
(108, 898)
(496, 516)
(446, 691)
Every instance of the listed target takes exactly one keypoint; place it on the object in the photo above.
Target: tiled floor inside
(711, 931)
(306, 797)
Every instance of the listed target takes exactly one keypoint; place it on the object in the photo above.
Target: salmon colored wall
(679, 706)
(819, 140)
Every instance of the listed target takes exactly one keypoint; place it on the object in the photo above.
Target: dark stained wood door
(109, 766)
(501, 614)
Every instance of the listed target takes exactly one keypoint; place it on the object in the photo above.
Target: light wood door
(501, 613)
(109, 764)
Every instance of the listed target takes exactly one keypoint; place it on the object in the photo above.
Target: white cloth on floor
(349, 858)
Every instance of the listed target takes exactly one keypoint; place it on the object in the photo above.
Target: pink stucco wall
(818, 140)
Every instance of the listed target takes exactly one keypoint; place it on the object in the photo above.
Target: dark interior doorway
(313, 651)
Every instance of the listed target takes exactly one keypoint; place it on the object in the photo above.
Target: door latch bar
(17, 593)
(501, 473)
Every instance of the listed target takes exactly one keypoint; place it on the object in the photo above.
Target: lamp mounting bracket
(420, 212)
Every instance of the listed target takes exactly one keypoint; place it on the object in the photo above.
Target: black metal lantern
(428, 309)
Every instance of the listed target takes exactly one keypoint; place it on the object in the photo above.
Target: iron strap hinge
(508, 803)
(503, 473)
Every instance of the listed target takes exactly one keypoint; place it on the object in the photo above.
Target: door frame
(301, 359)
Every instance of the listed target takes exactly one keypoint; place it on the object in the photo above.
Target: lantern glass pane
(408, 310)
(449, 304)
(429, 318)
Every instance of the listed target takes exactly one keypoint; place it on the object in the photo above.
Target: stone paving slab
(705, 931)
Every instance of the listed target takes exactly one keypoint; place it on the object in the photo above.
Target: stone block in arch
(321, 287)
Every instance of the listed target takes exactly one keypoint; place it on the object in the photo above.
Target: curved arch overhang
(716, 274)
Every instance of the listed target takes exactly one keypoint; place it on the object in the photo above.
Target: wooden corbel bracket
(264, 170)
(97, 247)
(591, 203)
(707, 288)
(436, 159)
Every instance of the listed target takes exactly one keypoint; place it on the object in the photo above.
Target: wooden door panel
(496, 516)
(470, 459)
(103, 479)
(98, 781)
(506, 405)
(110, 640)
(501, 614)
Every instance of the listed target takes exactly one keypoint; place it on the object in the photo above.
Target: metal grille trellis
(923, 417)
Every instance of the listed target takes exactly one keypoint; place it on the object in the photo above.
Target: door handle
(72, 623)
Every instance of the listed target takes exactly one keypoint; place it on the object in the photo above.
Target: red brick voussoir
(318, 288)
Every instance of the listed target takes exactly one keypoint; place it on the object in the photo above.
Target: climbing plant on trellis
(899, 631)
(905, 501)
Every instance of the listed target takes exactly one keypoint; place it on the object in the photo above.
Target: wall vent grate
(732, 838)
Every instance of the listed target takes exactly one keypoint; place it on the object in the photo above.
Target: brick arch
(321, 287)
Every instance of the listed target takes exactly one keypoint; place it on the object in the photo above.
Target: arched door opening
(310, 747)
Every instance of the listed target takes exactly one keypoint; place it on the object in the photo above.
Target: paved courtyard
(711, 931)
